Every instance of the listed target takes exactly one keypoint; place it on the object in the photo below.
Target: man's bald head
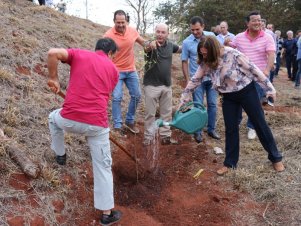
(162, 26)
(161, 32)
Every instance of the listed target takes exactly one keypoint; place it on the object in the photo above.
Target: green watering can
(190, 118)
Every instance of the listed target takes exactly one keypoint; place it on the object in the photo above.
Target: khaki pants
(154, 95)
(99, 144)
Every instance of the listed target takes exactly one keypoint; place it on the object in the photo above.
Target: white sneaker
(251, 134)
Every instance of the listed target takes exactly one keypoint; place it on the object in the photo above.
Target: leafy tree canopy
(284, 14)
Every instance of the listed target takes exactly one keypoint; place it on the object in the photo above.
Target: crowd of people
(239, 67)
(60, 6)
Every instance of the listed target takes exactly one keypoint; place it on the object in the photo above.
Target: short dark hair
(106, 45)
(253, 13)
(119, 12)
(197, 19)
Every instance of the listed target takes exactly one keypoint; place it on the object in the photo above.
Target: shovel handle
(61, 94)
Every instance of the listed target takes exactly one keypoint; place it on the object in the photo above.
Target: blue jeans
(211, 94)
(272, 75)
(131, 81)
(298, 75)
(295, 67)
(232, 105)
(288, 62)
(261, 94)
(278, 64)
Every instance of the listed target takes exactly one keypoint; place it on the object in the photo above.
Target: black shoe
(214, 135)
(114, 217)
(61, 160)
(197, 137)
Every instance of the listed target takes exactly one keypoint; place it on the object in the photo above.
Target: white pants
(99, 144)
(154, 95)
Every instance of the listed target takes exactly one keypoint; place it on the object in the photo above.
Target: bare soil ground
(168, 194)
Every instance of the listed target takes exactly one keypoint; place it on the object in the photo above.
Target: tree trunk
(26, 164)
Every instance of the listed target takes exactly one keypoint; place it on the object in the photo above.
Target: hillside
(168, 195)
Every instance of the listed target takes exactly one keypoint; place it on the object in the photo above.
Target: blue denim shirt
(299, 48)
(189, 51)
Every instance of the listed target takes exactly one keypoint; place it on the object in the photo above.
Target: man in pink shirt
(125, 38)
(260, 48)
(93, 77)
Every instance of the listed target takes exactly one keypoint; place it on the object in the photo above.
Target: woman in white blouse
(233, 75)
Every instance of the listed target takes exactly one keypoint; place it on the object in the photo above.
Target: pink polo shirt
(256, 49)
(93, 77)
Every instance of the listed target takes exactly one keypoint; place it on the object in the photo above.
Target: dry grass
(6, 77)
(26, 41)
(14, 20)
(51, 176)
(2, 149)
(11, 116)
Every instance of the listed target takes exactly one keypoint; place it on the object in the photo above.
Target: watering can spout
(161, 123)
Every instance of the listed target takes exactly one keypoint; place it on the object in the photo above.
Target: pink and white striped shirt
(256, 49)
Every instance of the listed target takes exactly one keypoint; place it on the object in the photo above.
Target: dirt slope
(64, 195)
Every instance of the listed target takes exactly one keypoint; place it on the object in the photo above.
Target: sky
(99, 11)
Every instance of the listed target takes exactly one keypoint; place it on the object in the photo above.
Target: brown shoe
(278, 166)
(132, 128)
(222, 171)
(168, 140)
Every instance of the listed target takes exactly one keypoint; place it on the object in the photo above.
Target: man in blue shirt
(189, 67)
(225, 34)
